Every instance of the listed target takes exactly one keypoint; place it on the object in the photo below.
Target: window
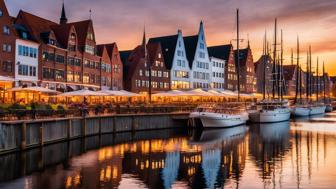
(60, 59)
(1, 13)
(77, 62)
(6, 30)
(59, 74)
(86, 78)
(71, 61)
(89, 49)
(70, 76)
(90, 36)
(201, 45)
(159, 55)
(52, 42)
(48, 73)
(23, 70)
(179, 62)
(7, 66)
(24, 35)
(140, 72)
(29, 51)
(201, 54)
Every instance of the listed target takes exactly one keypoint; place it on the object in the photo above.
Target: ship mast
(238, 58)
(280, 69)
(264, 65)
(297, 71)
(317, 80)
(274, 59)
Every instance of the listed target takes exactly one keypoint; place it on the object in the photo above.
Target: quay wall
(22, 135)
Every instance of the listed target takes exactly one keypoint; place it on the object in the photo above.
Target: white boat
(317, 109)
(270, 112)
(301, 111)
(219, 116)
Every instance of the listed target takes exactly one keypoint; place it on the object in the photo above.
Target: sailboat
(275, 109)
(316, 107)
(329, 107)
(300, 108)
(222, 115)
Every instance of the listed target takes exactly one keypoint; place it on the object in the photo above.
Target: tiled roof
(190, 43)
(36, 25)
(289, 71)
(168, 45)
(82, 30)
(62, 33)
(243, 53)
(221, 51)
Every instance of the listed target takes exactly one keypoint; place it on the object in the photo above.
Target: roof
(262, 59)
(243, 53)
(289, 71)
(82, 28)
(190, 43)
(168, 45)
(124, 55)
(36, 25)
(109, 48)
(62, 33)
(221, 51)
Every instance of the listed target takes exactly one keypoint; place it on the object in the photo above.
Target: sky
(122, 21)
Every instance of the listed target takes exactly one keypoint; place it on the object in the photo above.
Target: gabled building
(289, 74)
(220, 57)
(247, 75)
(198, 58)
(111, 66)
(263, 70)
(144, 69)
(175, 58)
(7, 42)
(68, 58)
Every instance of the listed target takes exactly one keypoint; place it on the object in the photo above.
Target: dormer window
(52, 42)
(6, 30)
(24, 35)
(73, 37)
(90, 36)
(1, 13)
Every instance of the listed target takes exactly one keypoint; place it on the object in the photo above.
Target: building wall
(230, 73)
(201, 67)
(26, 58)
(117, 70)
(7, 42)
(248, 75)
(180, 73)
(259, 72)
(218, 73)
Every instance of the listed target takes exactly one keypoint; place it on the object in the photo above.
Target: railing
(23, 114)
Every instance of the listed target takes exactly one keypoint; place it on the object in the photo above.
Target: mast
(324, 84)
(264, 66)
(310, 73)
(317, 80)
(144, 44)
(280, 69)
(297, 70)
(292, 57)
(307, 78)
(238, 59)
(274, 58)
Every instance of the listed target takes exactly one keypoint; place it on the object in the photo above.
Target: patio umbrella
(83, 92)
(33, 89)
(199, 92)
(121, 93)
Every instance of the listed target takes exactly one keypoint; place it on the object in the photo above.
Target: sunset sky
(122, 21)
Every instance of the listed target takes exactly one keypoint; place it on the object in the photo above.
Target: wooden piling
(69, 128)
(23, 135)
(41, 135)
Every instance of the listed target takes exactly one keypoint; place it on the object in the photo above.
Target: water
(299, 154)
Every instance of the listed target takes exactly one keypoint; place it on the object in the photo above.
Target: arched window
(73, 37)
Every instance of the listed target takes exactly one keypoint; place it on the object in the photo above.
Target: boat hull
(217, 120)
(301, 111)
(270, 116)
(329, 108)
(317, 110)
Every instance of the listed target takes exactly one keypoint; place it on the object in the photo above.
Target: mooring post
(133, 124)
(41, 134)
(69, 127)
(84, 125)
(114, 125)
(100, 126)
(23, 135)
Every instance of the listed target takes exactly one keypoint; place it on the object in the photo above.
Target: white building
(176, 61)
(218, 73)
(26, 62)
(199, 61)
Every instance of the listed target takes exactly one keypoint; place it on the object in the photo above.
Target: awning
(35, 89)
(121, 93)
(6, 79)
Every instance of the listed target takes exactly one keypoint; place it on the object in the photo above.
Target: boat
(329, 108)
(272, 110)
(226, 114)
(300, 108)
(219, 115)
(317, 109)
(269, 112)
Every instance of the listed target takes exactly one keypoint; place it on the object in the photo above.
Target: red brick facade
(7, 42)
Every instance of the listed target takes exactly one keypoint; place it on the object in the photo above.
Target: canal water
(298, 154)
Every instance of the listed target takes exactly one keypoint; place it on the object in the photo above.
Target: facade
(219, 56)
(261, 72)
(7, 42)
(26, 58)
(175, 58)
(141, 73)
(68, 57)
(289, 73)
(247, 75)
(199, 61)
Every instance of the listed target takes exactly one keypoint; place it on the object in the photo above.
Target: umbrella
(172, 93)
(83, 92)
(121, 93)
(199, 92)
(215, 93)
(33, 89)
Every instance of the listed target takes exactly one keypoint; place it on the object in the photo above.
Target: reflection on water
(299, 154)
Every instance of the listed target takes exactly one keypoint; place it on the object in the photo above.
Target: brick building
(69, 58)
(247, 75)
(137, 69)
(263, 68)
(7, 42)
